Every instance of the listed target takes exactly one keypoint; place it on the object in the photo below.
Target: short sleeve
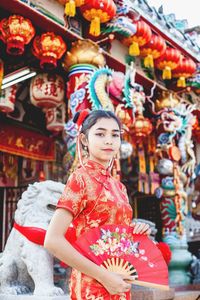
(73, 196)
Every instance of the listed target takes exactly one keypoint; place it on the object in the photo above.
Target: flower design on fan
(115, 244)
(116, 248)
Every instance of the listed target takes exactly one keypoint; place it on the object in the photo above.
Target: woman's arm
(56, 244)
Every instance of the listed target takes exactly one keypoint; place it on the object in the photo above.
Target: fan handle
(149, 284)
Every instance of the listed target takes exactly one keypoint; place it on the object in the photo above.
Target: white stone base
(32, 297)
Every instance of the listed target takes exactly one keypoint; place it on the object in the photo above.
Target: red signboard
(22, 142)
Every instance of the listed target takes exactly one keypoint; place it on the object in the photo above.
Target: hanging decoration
(126, 150)
(48, 48)
(98, 12)
(70, 6)
(140, 38)
(185, 69)
(55, 118)
(154, 178)
(122, 113)
(168, 62)
(153, 50)
(194, 81)
(7, 99)
(16, 32)
(47, 90)
(142, 127)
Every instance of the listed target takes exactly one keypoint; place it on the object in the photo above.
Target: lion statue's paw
(48, 291)
(15, 290)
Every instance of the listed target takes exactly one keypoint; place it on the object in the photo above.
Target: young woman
(92, 197)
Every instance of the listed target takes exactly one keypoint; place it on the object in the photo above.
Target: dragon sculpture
(97, 89)
(177, 122)
(121, 25)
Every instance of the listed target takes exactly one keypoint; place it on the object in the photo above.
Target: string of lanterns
(17, 32)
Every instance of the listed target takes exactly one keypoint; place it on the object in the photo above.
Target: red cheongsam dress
(94, 198)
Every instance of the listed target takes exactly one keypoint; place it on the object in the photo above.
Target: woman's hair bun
(80, 116)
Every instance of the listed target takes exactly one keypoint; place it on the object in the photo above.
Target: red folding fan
(117, 249)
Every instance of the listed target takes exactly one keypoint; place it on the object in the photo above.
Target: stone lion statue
(25, 266)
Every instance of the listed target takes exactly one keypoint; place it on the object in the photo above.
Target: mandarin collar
(97, 169)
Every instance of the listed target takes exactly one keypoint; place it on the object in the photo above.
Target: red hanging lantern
(168, 62)
(153, 50)
(141, 128)
(55, 118)
(7, 99)
(47, 90)
(140, 38)
(98, 12)
(48, 48)
(185, 69)
(16, 32)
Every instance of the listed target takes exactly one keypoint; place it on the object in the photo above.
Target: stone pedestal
(141, 293)
(32, 297)
(180, 261)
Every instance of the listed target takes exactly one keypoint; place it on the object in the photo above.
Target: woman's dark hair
(94, 116)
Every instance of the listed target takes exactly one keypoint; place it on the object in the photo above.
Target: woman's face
(103, 141)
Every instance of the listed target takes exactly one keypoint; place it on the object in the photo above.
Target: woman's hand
(116, 283)
(141, 228)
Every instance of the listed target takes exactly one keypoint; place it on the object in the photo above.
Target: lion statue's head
(37, 204)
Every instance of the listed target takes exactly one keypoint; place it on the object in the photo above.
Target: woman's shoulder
(77, 176)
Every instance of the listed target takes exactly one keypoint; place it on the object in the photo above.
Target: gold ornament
(167, 100)
(84, 52)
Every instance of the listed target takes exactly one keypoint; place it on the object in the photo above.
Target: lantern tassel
(95, 26)
(70, 8)
(167, 73)
(148, 61)
(134, 49)
(181, 82)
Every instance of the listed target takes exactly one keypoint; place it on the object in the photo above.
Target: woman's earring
(111, 163)
(85, 151)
